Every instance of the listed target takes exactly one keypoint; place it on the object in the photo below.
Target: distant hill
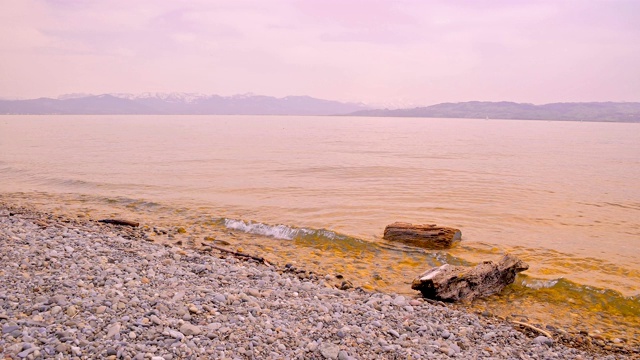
(178, 103)
(588, 111)
(249, 104)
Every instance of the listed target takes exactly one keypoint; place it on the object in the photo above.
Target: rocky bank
(85, 290)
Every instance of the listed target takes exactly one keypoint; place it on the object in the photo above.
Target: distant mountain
(250, 104)
(588, 111)
(178, 103)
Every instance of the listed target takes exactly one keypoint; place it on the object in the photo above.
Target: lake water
(563, 196)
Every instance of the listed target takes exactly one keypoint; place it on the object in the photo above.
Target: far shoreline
(321, 116)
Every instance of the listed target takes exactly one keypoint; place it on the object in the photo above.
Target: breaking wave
(283, 232)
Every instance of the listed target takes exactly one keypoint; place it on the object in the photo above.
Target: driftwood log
(425, 236)
(239, 254)
(120, 222)
(454, 283)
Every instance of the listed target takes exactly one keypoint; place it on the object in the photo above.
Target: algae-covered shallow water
(319, 191)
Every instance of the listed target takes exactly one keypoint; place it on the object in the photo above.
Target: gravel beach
(79, 289)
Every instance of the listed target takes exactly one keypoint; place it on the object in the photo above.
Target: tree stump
(454, 283)
(425, 236)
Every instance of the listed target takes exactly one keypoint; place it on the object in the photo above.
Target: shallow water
(563, 196)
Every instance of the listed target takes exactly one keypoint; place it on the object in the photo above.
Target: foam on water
(280, 231)
(537, 284)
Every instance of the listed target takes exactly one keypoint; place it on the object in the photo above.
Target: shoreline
(261, 305)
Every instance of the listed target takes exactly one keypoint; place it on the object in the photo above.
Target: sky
(379, 52)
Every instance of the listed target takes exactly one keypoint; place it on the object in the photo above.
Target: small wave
(580, 295)
(283, 232)
(538, 284)
(630, 206)
(73, 183)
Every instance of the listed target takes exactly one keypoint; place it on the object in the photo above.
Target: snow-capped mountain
(179, 103)
(169, 97)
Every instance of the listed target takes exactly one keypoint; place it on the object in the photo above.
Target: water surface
(563, 196)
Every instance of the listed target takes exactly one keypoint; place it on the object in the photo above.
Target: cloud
(369, 50)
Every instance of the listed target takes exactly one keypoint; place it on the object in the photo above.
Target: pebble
(176, 334)
(113, 330)
(488, 336)
(329, 350)
(156, 320)
(9, 328)
(190, 329)
(72, 311)
(399, 300)
(543, 340)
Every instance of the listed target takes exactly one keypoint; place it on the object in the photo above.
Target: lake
(563, 196)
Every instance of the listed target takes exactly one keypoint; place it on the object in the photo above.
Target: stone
(176, 334)
(488, 336)
(113, 330)
(10, 328)
(63, 348)
(76, 350)
(543, 340)
(329, 350)
(312, 346)
(156, 320)
(399, 300)
(72, 311)
(25, 353)
(190, 329)
(424, 236)
(454, 283)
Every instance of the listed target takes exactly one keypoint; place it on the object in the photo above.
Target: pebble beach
(80, 289)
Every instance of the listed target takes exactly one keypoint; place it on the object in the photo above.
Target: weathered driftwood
(453, 283)
(239, 254)
(120, 222)
(531, 327)
(426, 236)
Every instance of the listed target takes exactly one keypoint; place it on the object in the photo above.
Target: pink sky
(408, 52)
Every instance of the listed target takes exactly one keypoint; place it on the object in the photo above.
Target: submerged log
(120, 222)
(425, 236)
(453, 283)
